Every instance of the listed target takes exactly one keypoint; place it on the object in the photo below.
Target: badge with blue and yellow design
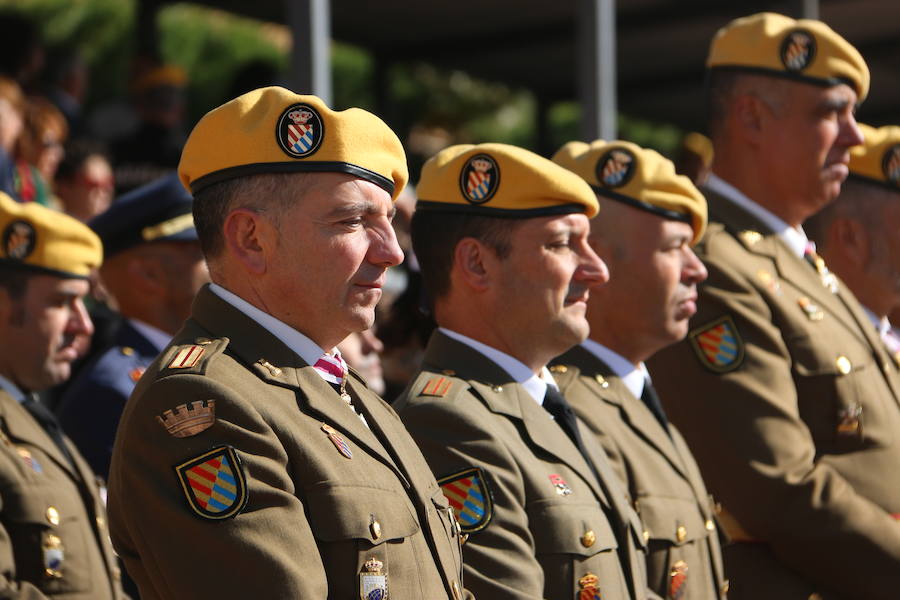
(479, 179)
(373, 581)
(615, 168)
(718, 345)
(299, 130)
(469, 496)
(214, 483)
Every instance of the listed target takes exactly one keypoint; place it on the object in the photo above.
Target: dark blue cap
(158, 211)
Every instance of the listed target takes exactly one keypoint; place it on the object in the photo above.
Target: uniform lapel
(24, 428)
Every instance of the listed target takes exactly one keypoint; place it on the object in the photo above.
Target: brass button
(497, 388)
(101, 522)
(843, 364)
(710, 525)
(588, 539)
(127, 351)
(463, 538)
(725, 585)
(454, 587)
(375, 528)
(602, 381)
(681, 533)
(203, 341)
(448, 372)
(52, 515)
(559, 369)
(646, 536)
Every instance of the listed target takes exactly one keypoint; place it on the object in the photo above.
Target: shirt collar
(794, 237)
(158, 338)
(534, 384)
(12, 389)
(305, 348)
(632, 376)
(882, 324)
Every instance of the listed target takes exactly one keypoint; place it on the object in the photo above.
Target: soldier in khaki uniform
(651, 217)
(501, 235)
(249, 462)
(53, 537)
(783, 389)
(857, 234)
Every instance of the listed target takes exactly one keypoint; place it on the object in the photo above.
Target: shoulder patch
(469, 495)
(188, 419)
(214, 484)
(186, 357)
(437, 386)
(718, 345)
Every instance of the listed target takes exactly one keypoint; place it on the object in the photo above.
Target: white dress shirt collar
(535, 385)
(632, 376)
(794, 237)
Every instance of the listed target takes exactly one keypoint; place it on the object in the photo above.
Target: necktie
(651, 399)
(333, 369)
(556, 405)
(48, 423)
(828, 278)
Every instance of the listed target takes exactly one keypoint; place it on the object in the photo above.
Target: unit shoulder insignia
(718, 345)
(214, 484)
(470, 497)
(188, 419)
(437, 386)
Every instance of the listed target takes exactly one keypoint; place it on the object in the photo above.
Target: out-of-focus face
(185, 272)
(884, 256)
(542, 291)
(809, 139)
(49, 325)
(652, 292)
(334, 248)
(11, 125)
(362, 351)
(90, 191)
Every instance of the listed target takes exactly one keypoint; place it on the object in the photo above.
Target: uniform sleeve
(498, 561)
(759, 458)
(265, 550)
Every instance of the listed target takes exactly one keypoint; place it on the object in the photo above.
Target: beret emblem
(479, 179)
(299, 130)
(615, 168)
(798, 49)
(890, 164)
(19, 239)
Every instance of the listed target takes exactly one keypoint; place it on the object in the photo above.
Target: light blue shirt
(632, 376)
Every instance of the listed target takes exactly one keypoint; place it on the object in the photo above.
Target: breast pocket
(675, 527)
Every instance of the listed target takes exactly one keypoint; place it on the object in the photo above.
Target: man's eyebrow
(835, 103)
(356, 208)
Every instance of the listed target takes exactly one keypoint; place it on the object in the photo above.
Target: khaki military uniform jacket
(53, 537)
(548, 521)
(322, 494)
(798, 432)
(684, 559)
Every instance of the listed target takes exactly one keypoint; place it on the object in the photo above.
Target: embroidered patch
(214, 483)
(186, 357)
(562, 488)
(798, 49)
(373, 581)
(19, 240)
(678, 580)
(615, 168)
(587, 587)
(890, 165)
(718, 345)
(479, 179)
(469, 496)
(189, 419)
(437, 386)
(299, 130)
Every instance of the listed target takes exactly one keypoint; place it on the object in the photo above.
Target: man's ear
(249, 238)
(749, 114)
(474, 263)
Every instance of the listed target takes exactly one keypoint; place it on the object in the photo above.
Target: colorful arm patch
(469, 495)
(214, 483)
(718, 345)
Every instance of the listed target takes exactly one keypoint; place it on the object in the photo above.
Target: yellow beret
(637, 176)
(501, 180)
(274, 130)
(878, 158)
(700, 145)
(41, 239)
(166, 75)
(805, 50)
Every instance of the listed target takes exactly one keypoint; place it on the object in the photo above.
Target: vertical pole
(596, 68)
(804, 9)
(310, 22)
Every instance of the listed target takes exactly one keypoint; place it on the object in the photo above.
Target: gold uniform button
(203, 341)
(588, 539)
(710, 525)
(127, 351)
(646, 536)
(454, 586)
(681, 533)
(375, 528)
(559, 369)
(52, 515)
(843, 364)
(101, 522)
(448, 372)
(497, 388)
(602, 381)
(725, 585)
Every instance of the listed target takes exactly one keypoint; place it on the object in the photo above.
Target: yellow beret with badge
(274, 130)
(636, 176)
(804, 50)
(877, 159)
(43, 240)
(700, 145)
(502, 181)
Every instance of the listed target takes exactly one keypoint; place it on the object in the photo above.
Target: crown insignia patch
(214, 483)
(798, 50)
(479, 179)
(19, 239)
(299, 130)
(615, 168)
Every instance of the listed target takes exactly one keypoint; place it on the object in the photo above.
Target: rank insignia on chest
(678, 580)
(373, 581)
(469, 496)
(337, 440)
(718, 345)
(214, 483)
(30, 461)
(588, 587)
(562, 488)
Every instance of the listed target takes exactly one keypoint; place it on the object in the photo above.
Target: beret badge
(798, 49)
(890, 164)
(615, 168)
(479, 179)
(299, 130)
(19, 239)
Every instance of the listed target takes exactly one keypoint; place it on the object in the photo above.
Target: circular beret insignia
(19, 239)
(299, 130)
(798, 49)
(616, 167)
(479, 179)
(890, 165)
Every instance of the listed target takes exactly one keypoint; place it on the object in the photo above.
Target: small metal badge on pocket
(849, 425)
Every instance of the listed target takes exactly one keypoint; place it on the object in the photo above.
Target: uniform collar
(882, 324)
(304, 347)
(794, 238)
(534, 384)
(12, 389)
(632, 376)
